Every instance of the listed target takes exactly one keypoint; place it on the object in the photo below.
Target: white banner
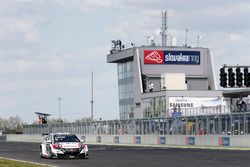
(195, 105)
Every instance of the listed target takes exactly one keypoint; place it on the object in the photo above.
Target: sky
(48, 48)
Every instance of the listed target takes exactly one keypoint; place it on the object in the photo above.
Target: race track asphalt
(123, 156)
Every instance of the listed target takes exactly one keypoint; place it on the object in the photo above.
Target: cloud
(229, 9)
(39, 53)
(19, 28)
(50, 60)
(95, 5)
(43, 84)
(16, 29)
(217, 17)
(7, 103)
(86, 5)
(238, 38)
(55, 70)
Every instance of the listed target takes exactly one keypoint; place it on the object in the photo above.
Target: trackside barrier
(126, 139)
(240, 140)
(116, 139)
(176, 140)
(98, 139)
(206, 140)
(137, 140)
(224, 141)
(2, 137)
(24, 138)
(190, 140)
(161, 140)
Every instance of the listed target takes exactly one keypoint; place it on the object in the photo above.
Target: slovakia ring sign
(171, 57)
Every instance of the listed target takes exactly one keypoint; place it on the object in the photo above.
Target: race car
(63, 145)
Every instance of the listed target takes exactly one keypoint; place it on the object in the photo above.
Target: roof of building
(236, 92)
(40, 113)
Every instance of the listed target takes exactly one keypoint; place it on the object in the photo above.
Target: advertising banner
(195, 105)
(171, 57)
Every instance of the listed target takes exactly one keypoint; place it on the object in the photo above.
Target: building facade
(154, 80)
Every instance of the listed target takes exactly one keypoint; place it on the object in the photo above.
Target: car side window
(49, 138)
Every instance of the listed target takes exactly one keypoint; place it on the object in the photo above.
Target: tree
(15, 122)
(83, 120)
(3, 124)
(11, 125)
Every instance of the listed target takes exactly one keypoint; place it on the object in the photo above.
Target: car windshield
(66, 138)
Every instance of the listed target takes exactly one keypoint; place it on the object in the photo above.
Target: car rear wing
(45, 134)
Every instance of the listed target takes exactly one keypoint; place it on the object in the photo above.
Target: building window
(125, 88)
(154, 107)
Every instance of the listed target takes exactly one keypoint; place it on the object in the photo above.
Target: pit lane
(122, 156)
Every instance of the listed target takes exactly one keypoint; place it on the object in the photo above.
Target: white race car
(63, 145)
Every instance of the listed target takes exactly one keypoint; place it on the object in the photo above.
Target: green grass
(12, 163)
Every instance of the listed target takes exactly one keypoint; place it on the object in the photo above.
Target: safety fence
(216, 123)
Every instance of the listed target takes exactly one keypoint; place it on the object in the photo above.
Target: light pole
(92, 97)
(59, 105)
(198, 39)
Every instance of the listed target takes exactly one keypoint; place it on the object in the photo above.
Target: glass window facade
(125, 86)
(154, 107)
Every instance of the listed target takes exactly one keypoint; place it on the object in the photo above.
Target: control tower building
(154, 80)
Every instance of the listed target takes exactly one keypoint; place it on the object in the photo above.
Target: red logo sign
(153, 57)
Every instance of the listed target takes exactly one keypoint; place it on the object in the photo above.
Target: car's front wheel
(41, 152)
(86, 156)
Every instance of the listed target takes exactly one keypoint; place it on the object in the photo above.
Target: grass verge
(12, 163)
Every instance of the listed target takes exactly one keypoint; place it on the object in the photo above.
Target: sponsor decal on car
(70, 145)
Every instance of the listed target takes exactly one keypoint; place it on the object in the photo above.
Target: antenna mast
(164, 28)
(186, 37)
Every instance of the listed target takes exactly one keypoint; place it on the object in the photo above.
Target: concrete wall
(2, 137)
(171, 140)
(24, 138)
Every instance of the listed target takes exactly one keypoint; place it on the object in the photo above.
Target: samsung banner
(171, 57)
(196, 105)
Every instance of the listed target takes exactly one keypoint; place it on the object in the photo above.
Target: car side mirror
(82, 139)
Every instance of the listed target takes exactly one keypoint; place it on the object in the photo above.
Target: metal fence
(221, 122)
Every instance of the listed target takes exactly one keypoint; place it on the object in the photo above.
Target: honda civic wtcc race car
(63, 145)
